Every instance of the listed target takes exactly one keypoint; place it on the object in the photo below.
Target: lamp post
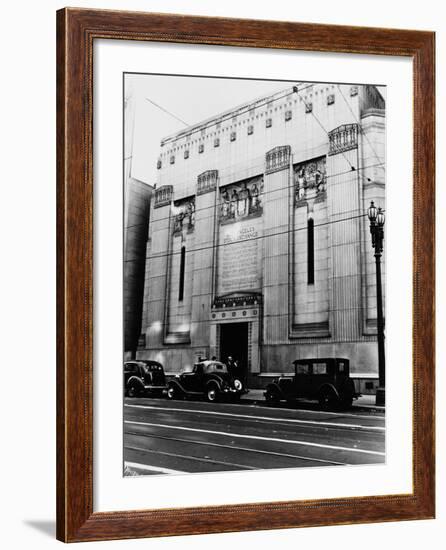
(377, 219)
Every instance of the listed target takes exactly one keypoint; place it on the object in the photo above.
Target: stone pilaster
(205, 236)
(344, 216)
(155, 293)
(373, 185)
(277, 188)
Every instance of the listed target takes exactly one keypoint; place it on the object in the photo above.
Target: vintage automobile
(144, 377)
(326, 380)
(210, 379)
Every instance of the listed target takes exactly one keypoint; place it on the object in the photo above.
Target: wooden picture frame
(76, 31)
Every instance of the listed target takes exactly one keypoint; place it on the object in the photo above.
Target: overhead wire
(166, 111)
(263, 193)
(276, 234)
(360, 126)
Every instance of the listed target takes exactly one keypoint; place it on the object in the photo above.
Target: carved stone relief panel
(184, 215)
(241, 200)
(310, 179)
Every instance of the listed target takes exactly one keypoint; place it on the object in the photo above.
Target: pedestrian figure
(231, 365)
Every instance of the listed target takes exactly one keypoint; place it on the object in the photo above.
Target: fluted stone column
(277, 188)
(205, 219)
(156, 269)
(344, 211)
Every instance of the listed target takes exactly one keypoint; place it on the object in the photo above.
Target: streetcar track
(258, 438)
(266, 419)
(279, 409)
(193, 458)
(238, 448)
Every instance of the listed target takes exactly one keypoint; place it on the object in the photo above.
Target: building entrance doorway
(234, 343)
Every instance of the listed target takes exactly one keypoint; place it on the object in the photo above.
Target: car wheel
(212, 394)
(327, 399)
(132, 391)
(346, 403)
(172, 392)
(271, 396)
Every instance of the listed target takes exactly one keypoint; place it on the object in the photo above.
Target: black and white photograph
(254, 274)
(223, 231)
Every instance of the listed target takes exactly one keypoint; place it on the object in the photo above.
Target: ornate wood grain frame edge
(76, 31)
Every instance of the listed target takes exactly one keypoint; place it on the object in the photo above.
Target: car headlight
(237, 384)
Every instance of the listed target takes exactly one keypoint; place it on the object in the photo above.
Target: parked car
(327, 380)
(210, 379)
(144, 377)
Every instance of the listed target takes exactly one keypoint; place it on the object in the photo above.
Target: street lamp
(377, 219)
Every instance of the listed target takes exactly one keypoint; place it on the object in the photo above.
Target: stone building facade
(258, 243)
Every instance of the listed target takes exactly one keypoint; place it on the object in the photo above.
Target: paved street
(162, 436)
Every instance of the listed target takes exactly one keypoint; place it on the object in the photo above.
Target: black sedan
(209, 379)
(144, 377)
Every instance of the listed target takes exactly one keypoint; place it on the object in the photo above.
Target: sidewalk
(363, 402)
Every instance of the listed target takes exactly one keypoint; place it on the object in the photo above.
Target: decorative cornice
(237, 301)
(207, 181)
(278, 159)
(343, 138)
(163, 196)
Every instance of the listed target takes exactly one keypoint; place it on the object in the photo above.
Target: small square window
(330, 99)
(308, 107)
(233, 136)
(250, 130)
(288, 115)
(353, 91)
(186, 154)
(269, 122)
(159, 164)
(172, 159)
(217, 142)
(201, 148)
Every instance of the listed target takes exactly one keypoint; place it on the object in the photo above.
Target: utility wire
(360, 126)
(218, 245)
(252, 105)
(295, 88)
(166, 111)
(263, 193)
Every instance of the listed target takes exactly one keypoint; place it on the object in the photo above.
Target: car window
(320, 368)
(198, 368)
(342, 366)
(130, 367)
(302, 368)
(216, 367)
